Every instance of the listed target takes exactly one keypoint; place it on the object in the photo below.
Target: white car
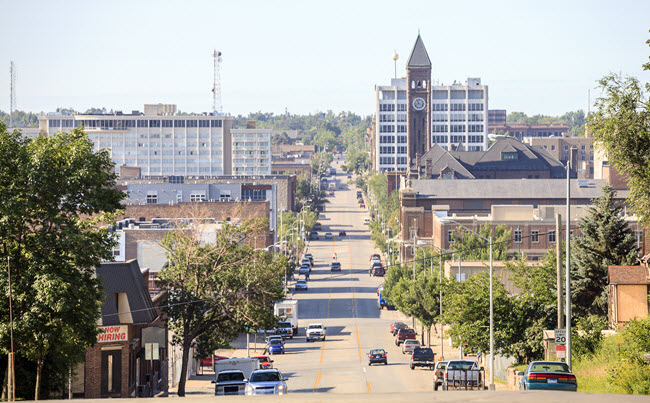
(366, 221)
(266, 382)
(409, 345)
(315, 331)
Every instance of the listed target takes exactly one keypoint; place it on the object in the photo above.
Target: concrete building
(163, 143)
(560, 148)
(292, 151)
(522, 130)
(291, 166)
(412, 114)
(496, 117)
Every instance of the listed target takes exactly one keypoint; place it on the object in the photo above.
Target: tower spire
(419, 56)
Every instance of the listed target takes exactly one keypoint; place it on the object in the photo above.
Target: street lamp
(489, 240)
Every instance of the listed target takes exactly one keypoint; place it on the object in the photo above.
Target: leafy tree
(621, 127)
(631, 373)
(216, 290)
(467, 311)
(472, 247)
(606, 240)
(50, 186)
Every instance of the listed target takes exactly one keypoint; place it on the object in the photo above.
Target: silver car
(266, 382)
(301, 285)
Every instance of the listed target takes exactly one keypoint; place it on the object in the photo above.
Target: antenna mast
(12, 96)
(216, 85)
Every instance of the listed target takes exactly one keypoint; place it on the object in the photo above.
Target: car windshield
(284, 324)
(301, 282)
(462, 365)
(423, 351)
(412, 342)
(549, 367)
(404, 331)
(275, 342)
(315, 326)
(265, 377)
(263, 359)
(230, 376)
(336, 264)
(378, 351)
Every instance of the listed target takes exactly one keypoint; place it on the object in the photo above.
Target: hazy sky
(307, 56)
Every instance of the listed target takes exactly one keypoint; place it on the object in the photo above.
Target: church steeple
(419, 56)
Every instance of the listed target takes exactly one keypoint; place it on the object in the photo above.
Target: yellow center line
(318, 376)
(358, 342)
(322, 351)
(368, 386)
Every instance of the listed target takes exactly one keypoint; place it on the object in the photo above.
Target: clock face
(419, 104)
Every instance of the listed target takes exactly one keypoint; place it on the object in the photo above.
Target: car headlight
(249, 390)
(280, 387)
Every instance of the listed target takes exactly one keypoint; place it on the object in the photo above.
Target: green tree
(466, 308)
(472, 247)
(216, 290)
(606, 240)
(50, 186)
(621, 127)
(632, 373)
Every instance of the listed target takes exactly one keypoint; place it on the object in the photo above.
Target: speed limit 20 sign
(560, 336)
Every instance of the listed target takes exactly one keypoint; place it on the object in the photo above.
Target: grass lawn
(592, 371)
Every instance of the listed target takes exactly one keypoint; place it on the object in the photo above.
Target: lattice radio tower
(216, 85)
(12, 93)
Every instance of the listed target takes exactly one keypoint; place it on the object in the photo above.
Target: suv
(403, 335)
(423, 357)
(315, 331)
(377, 269)
(336, 266)
(266, 382)
(286, 331)
(231, 382)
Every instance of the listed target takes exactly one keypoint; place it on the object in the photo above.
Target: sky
(538, 57)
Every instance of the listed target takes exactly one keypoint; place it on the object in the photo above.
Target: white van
(366, 221)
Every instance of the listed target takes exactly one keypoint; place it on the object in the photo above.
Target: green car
(548, 375)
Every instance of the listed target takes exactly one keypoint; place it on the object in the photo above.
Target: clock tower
(418, 101)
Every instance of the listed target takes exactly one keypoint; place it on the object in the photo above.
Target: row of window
(391, 139)
(122, 124)
(391, 160)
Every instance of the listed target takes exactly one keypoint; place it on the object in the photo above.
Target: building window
(534, 236)
(197, 197)
(179, 197)
(551, 236)
(152, 199)
(252, 194)
(450, 236)
(638, 235)
(517, 236)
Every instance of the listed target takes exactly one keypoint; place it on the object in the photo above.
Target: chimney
(429, 168)
(573, 157)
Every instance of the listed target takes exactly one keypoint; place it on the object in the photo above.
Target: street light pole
(492, 387)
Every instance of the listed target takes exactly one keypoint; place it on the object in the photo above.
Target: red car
(265, 361)
(397, 324)
(207, 361)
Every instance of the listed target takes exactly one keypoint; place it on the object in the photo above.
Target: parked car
(403, 335)
(409, 345)
(548, 375)
(313, 236)
(394, 325)
(439, 374)
(306, 261)
(265, 361)
(310, 257)
(301, 285)
(377, 356)
(342, 233)
(317, 226)
(366, 221)
(266, 382)
(276, 346)
(335, 266)
(375, 256)
(379, 289)
(422, 357)
(362, 205)
(304, 270)
(207, 361)
(273, 337)
(330, 193)
(397, 327)
(328, 235)
(377, 270)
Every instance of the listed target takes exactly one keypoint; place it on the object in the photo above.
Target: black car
(377, 356)
(317, 226)
(313, 236)
(342, 233)
(377, 271)
(399, 326)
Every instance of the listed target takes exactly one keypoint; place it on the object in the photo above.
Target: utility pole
(558, 260)
(568, 264)
(11, 387)
(442, 328)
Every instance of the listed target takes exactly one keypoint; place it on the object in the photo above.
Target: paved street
(346, 303)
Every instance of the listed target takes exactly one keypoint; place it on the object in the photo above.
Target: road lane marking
(368, 386)
(358, 342)
(318, 376)
(322, 350)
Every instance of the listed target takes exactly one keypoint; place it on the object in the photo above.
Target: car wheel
(323, 338)
(435, 386)
(444, 387)
(369, 364)
(412, 367)
(385, 362)
(402, 351)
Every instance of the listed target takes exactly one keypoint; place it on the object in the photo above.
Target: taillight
(384, 355)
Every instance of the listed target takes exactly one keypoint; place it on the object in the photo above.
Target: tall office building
(162, 143)
(413, 114)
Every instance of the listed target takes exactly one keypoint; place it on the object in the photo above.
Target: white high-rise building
(163, 143)
(412, 114)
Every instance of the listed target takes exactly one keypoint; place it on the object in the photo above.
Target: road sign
(560, 354)
(560, 347)
(560, 336)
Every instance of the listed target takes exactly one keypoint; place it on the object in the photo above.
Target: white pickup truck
(463, 375)
(231, 376)
(315, 331)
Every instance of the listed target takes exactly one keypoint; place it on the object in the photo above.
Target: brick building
(522, 130)
(560, 148)
(291, 166)
(116, 365)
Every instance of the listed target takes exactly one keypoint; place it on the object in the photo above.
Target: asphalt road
(346, 303)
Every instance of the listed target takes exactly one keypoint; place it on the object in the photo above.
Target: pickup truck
(423, 357)
(463, 374)
(404, 334)
(439, 374)
(285, 329)
(315, 331)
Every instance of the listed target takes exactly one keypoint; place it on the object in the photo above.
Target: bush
(631, 373)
